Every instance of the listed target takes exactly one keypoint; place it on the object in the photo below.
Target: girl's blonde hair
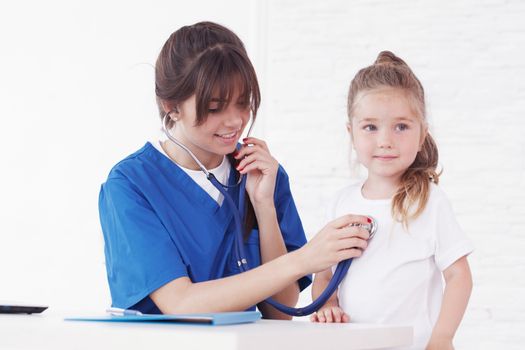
(390, 71)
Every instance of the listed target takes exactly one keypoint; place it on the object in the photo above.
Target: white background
(76, 96)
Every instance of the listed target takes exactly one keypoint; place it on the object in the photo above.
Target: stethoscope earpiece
(170, 114)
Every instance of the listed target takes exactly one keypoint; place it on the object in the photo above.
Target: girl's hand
(337, 241)
(440, 343)
(261, 167)
(330, 314)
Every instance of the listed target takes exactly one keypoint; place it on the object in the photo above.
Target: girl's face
(386, 132)
(219, 134)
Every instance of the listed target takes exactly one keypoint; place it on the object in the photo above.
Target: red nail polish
(369, 220)
(244, 139)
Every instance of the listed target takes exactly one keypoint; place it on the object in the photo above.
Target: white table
(49, 331)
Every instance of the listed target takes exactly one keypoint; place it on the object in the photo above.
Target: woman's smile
(230, 137)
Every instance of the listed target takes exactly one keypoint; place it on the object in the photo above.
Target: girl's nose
(385, 139)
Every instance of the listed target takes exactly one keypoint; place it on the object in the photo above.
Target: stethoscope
(238, 251)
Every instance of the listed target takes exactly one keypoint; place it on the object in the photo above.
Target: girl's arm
(330, 312)
(335, 242)
(458, 286)
(272, 246)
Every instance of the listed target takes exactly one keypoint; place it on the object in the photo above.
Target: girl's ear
(349, 129)
(424, 133)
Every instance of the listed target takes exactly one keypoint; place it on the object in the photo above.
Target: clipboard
(211, 319)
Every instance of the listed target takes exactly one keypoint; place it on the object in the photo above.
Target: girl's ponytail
(414, 188)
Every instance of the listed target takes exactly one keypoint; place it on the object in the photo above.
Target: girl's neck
(380, 187)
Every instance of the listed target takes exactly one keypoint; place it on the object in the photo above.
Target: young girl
(168, 234)
(398, 278)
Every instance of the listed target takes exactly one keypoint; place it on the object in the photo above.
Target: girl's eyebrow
(368, 119)
(407, 119)
(372, 119)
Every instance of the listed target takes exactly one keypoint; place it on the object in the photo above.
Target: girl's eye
(370, 127)
(401, 127)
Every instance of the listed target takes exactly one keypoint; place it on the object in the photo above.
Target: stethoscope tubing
(239, 252)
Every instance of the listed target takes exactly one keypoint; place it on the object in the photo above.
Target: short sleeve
(140, 255)
(451, 241)
(289, 220)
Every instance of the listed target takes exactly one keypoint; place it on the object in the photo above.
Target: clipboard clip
(115, 311)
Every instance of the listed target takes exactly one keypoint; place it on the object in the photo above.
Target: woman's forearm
(234, 293)
(337, 241)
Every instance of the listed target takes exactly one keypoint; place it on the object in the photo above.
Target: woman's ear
(170, 108)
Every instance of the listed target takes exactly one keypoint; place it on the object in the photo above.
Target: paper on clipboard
(213, 319)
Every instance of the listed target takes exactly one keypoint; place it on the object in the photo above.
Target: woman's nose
(235, 117)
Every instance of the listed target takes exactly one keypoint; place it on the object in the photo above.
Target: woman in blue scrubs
(168, 236)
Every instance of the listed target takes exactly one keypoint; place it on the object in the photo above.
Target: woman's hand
(337, 241)
(330, 314)
(261, 167)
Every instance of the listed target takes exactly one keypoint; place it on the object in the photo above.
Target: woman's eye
(243, 105)
(214, 108)
(369, 127)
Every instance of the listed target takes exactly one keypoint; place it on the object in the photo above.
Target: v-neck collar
(222, 213)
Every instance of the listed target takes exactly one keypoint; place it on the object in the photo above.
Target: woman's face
(219, 133)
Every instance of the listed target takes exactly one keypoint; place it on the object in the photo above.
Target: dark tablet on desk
(20, 308)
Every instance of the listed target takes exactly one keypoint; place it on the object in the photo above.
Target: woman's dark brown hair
(390, 71)
(202, 60)
(209, 61)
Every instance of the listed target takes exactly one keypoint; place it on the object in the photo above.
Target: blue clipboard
(212, 319)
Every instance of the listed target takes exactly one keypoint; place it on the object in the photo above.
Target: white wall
(76, 95)
(470, 58)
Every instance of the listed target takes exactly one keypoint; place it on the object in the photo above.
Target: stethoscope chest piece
(371, 227)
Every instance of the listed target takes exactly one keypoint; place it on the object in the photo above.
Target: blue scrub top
(159, 225)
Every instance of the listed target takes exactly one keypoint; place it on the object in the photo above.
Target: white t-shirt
(398, 279)
(221, 173)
